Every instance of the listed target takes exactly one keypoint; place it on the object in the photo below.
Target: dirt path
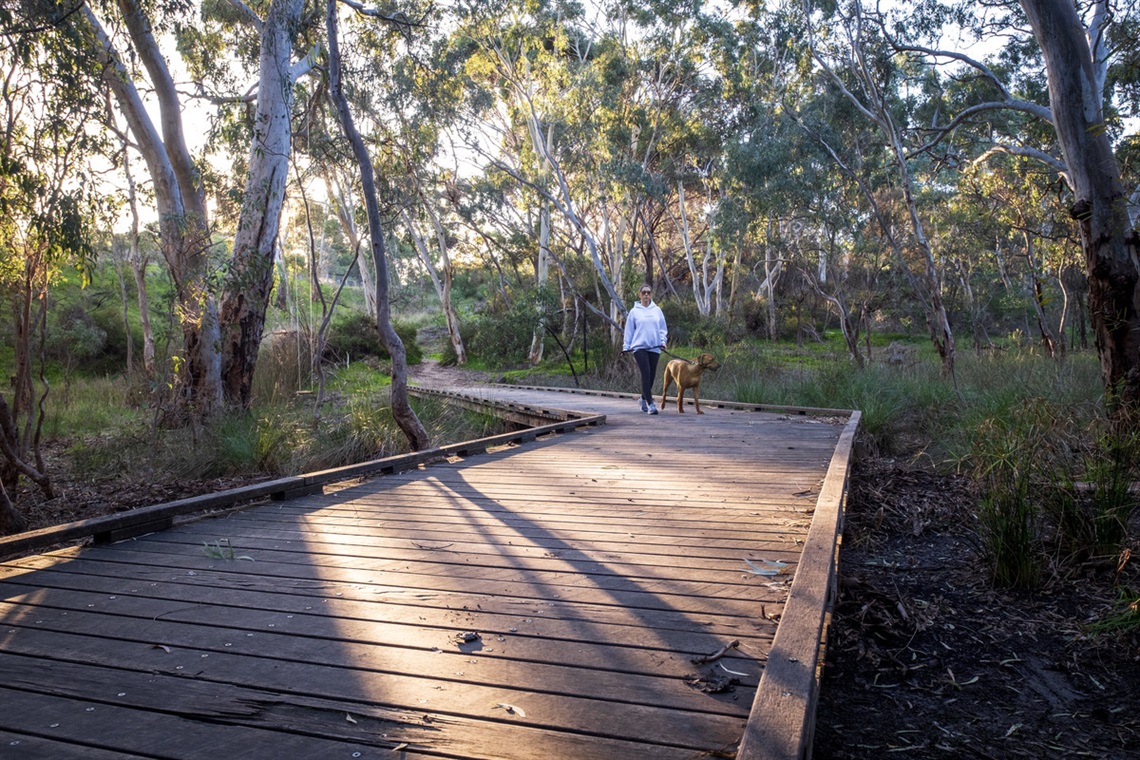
(431, 374)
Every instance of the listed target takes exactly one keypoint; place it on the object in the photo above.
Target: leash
(664, 351)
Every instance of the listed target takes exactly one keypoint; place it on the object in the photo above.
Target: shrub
(353, 336)
(1004, 455)
(683, 320)
(284, 366)
(502, 337)
(1094, 500)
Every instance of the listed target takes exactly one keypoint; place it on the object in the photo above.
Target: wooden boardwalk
(547, 600)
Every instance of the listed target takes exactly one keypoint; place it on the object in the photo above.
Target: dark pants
(647, 365)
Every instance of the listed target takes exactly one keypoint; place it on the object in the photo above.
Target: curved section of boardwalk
(548, 600)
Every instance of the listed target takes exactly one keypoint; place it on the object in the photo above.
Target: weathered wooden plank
(31, 747)
(377, 727)
(639, 648)
(667, 630)
(438, 557)
(449, 545)
(153, 733)
(536, 538)
(532, 531)
(418, 670)
(461, 694)
(730, 581)
(741, 601)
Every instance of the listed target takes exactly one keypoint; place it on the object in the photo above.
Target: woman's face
(646, 296)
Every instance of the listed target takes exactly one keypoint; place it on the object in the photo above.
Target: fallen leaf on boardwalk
(512, 709)
(711, 683)
(163, 647)
(769, 567)
(733, 672)
(349, 718)
(399, 747)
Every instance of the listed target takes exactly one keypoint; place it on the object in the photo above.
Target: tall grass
(95, 406)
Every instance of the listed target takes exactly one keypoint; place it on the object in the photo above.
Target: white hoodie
(645, 328)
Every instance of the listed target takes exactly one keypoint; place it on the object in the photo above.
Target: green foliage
(75, 337)
(223, 549)
(353, 336)
(1054, 478)
(1094, 500)
(284, 367)
(93, 407)
(683, 320)
(501, 335)
(1004, 452)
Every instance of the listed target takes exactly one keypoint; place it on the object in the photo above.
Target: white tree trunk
(183, 222)
(542, 275)
(250, 277)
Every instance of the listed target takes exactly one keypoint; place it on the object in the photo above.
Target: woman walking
(645, 335)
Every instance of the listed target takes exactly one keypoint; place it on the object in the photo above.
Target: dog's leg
(680, 398)
(697, 398)
(664, 387)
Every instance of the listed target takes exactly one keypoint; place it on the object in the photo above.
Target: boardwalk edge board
(782, 721)
(144, 520)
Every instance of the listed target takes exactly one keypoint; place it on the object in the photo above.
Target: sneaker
(644, 406)
(652, 408)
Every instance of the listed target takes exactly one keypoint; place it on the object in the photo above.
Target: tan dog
(687, 375)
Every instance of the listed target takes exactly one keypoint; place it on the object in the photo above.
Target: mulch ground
(926, 659)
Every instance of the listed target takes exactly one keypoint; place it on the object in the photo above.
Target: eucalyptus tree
(1029, 223)
(1078, 47)
(249, 276)
(180, 197)
(763, 160)
(847, 44)
(139, 248)
(541, 61)
(402, 411)
(1076, 58)
(428, 191)
(48, 207)
(441, 270)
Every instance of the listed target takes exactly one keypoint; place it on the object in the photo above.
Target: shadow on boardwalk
(543, 600)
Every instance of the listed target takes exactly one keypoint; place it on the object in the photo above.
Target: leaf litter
(947, 663)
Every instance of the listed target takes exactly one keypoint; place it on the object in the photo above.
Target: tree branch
(1026, 152)
(251, 18)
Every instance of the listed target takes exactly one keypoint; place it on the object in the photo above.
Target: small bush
(353, 336)
(1123, 619)
(501, 337)
(1094, 501)
(683, 320)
